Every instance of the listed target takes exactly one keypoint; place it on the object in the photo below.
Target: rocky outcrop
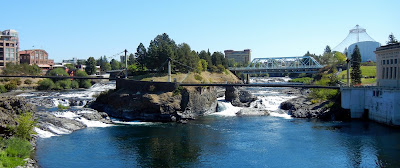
(182, 104)
(10, 107)
(239, 97)
(302, 107)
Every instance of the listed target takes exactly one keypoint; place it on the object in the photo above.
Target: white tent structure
(359, 36)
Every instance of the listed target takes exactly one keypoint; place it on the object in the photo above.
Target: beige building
(387, 65)
(36, 56)
(239, 56)
(9, 47)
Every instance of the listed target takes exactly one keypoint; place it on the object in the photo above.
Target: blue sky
(84, 28)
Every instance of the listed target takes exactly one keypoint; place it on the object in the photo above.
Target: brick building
(36, 56)
(9, 47)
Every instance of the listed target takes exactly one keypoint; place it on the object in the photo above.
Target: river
(223, 139)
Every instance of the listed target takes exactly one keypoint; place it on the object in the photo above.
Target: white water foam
(66, 114)
(58, 130)
(133, 122)
(90, 123)
(226, 109)
(43, 134)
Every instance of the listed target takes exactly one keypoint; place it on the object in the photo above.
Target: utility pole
(169, 69)
(126, 64)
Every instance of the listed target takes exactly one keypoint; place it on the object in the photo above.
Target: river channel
(223, 139)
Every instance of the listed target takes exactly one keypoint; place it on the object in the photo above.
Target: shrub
(17, 149)
(2, 89)
(85, 84)
(221, 68)
(305, 80)
(152, 88)
(17, 81)
(63, 84)
(61, 107)
(319, 95)
(213, 68)
(46, 84)
(177, 91)
(28, 81)
(198, 77)
(11, 85)
(25, 126)
(74, 84)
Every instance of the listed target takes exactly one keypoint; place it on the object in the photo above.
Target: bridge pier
(247, 78)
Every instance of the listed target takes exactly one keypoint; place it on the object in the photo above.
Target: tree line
(154, 57)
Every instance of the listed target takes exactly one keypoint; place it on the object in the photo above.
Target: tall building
(387, 65)
(358, 36)
(9, 47)
(36, 56)
(239, 56)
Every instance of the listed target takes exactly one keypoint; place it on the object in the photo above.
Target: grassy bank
(368, 73)
(203, 77)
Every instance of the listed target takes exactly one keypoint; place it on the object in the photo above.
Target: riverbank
(303, 107)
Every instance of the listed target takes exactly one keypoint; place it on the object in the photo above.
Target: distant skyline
(94, 28)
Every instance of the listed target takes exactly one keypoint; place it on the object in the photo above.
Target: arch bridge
(300, 64)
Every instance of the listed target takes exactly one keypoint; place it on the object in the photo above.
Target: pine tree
(90, 66)
(356, 71)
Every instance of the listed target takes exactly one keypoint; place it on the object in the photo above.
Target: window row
(389, 73)
(389, 61)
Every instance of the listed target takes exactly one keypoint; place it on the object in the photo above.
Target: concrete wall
(142, 86)
(383, 104)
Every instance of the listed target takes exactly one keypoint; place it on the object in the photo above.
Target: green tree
(131, 59)
(141, 55)
(204, 64)
(340, 58)
(159, 50)
(90, 66)
(187, 57)
(57, 72)
(392, 40)
(356, 71)
(115, 65)
(327, 49)
(205, 56)
(217, 58)
(25, 126)
(83, 83)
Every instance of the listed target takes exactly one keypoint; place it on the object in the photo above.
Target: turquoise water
(214, 141)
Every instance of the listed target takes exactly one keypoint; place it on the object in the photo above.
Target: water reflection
(367, 144)
(164, 145)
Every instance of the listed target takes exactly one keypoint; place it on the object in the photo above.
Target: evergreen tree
(160, 49)
(356, 71)
(327, 49)
(115, 65)
(141, 54)
(90, 66)
(131, 59)
(205, 56)
(392, 40)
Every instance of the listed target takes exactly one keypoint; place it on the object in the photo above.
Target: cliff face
(186, 103)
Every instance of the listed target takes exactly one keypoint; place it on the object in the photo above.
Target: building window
(1, 44)
(395, 73)
(36, 55)
(7, 44)
(383, 73)
(387, 73)
(391, 72)
(387, 61)
(395, 61)
(373, 93)
(391, 61)
(383, 62)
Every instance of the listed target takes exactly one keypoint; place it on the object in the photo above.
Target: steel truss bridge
(301, 64)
